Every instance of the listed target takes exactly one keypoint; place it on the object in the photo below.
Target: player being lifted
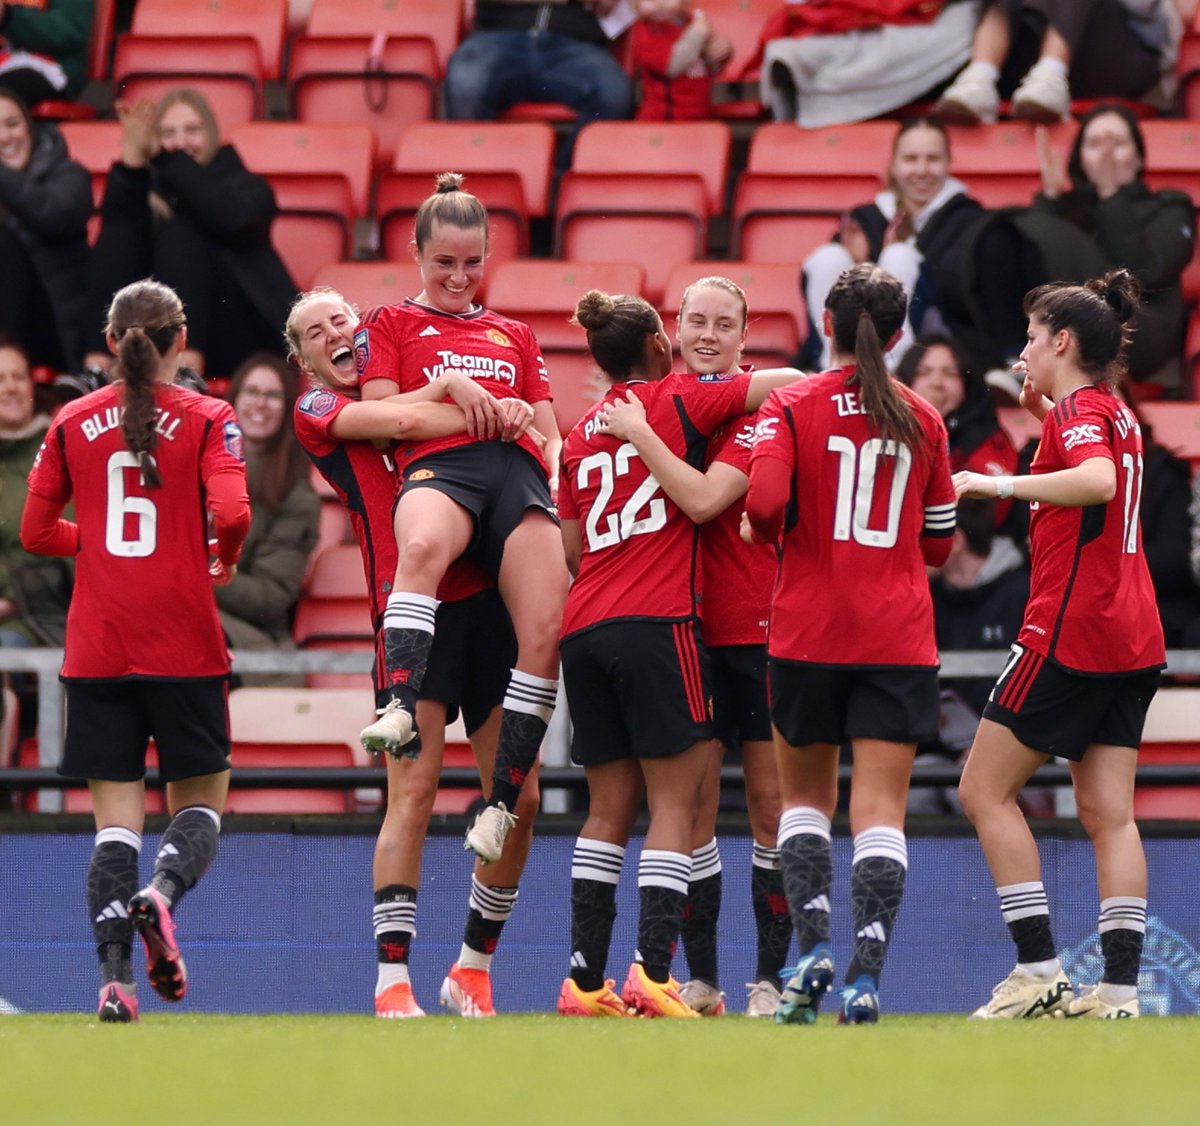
(1086, 663)
(850, 474)
(468, 495)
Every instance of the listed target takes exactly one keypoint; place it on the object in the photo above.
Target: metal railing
(45, 663)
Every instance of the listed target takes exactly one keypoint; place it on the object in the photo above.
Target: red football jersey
(639, 550)
(736, 578)
(1091, 602)
(686, 97)
(852, 588)
(143, 603)
(412, 344)
(364, 478)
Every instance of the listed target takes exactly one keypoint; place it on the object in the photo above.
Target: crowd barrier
(282, 923)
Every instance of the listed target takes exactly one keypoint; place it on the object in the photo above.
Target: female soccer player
(469, 662)
(850, 469)
(737, 581)
(636, 670)
(145, 657)
(466, 494)
(1086, 663)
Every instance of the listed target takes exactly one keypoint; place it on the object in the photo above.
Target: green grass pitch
(183, 1069)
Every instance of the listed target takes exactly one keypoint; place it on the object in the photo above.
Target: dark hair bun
(595, 310)
(449, 182)
(1122, 292)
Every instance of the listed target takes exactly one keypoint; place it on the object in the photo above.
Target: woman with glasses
(257, 606)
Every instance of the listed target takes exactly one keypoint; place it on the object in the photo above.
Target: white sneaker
(1104, 1002)
(1023, 996)
(763, 1000)
(486, 837)
(705, 999)
(393, 730)
(1043, 96)
(971, 99)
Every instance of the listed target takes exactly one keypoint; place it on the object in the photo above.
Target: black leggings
(1107, 59)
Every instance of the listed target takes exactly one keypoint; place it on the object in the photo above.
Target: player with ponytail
(148, 465)
(850, 476)
(1087, 661)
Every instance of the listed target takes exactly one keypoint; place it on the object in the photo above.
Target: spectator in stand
(1151, 233)
(937, 371)
(1041, 53)
(1167, 535)
(979, 595)
(675, 53)
(258, 603)
(45, 201)
(44, 48)
(22, 428)
(182, 206)
(919, 229)
(546, 52)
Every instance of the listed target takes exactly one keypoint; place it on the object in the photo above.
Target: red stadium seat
(798, 181)
(321, 175)
(741, 22)
(367, 284)
(577, 383)
(543, 293)
(778, 323)
(481, 146)
(999, 163)
(438, 21)
(227, 71)
(616, 218)
(658, 150)
(388, 85)
(1173, 155)
(299, 728)
(1177, 427)
(263, 20)
(1170, 736)
(95, 145)
(334, 606)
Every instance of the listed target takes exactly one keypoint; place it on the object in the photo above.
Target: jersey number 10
(857, 466)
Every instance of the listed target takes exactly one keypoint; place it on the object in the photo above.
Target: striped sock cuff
(881, 840)
(406, 610)
(1122, 912)
(531, 695)
(801, 819)
(597, 860)
(388, 918)
(1023, 901)
(764, 857)
(494, 903)
(119, 835)
(706, 861)
(205, 809)
(659, 868)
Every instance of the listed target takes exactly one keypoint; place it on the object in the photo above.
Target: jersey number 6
(121, 506)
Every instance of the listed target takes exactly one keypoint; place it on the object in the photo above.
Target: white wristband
(1004, 487)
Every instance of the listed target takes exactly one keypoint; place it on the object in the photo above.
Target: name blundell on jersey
(476, 367)
(108, 419)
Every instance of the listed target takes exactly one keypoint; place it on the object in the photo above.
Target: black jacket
(46, 206)
(231, 206)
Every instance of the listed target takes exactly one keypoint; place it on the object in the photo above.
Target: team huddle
(713, 557)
